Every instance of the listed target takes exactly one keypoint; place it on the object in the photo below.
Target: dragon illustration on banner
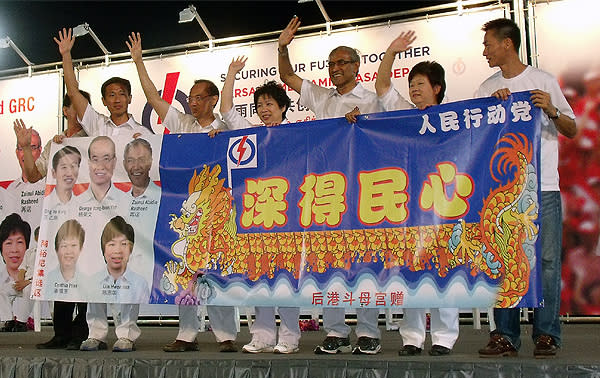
(500, 245)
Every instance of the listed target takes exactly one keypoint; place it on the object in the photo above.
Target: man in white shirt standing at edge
(116, 96)
(501, 49)
(141, 202)
(344, 63)
(202, 99)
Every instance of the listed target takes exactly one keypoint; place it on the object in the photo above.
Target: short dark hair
(67, 99)
(277, 92)
(211, 88)
(434, 73)
(13, 224)
(137, 142)
(116, 226)
(69, 228)
(504, 28)
(66, 150)
(354, 55)
(101, 137)
(116, 80)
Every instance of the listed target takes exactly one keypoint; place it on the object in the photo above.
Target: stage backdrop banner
(569, 57)
(434, 208)
(455, 41)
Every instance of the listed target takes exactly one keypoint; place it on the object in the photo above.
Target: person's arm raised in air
(65, 42)
(235, 66)
(400, 44)
(286, 71)
(160, 106)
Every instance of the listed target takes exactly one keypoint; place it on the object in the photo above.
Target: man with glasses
(203, 98)
(330, 103)
(36, 150)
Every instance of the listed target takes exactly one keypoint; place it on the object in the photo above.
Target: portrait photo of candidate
(101, 164)
(137, 161)
(68, 244)
(65, 170)
(15, 280)
(118, 283)
(36, 151)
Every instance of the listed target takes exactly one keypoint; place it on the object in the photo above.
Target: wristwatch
(557, 114)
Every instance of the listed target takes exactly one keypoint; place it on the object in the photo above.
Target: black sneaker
(54, 343)
(9, 325)
(409, 350)
(439, 350)
(20, 327)
(74, 344)
(367, 345)
(333, 345)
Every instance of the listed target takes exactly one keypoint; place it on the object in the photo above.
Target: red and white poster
(567, 36)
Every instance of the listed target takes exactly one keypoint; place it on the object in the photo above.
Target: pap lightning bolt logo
(241, 149)
(241, 153)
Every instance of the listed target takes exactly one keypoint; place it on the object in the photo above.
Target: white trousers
(334, 322)
(443, 326)
(222, 321)
(125, 324)
(15, 306)
(264, 328)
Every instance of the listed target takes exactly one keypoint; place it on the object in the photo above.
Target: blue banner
(433, 208)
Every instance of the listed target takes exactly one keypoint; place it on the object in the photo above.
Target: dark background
(33, 24)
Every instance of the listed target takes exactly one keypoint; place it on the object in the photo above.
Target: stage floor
(579, 357)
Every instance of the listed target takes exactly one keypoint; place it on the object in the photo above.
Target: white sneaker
(257, 347)
(91, 345)
(123, 345)
(285, 348)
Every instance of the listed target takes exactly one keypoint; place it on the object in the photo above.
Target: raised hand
(65, 41)
(135, 46)
(403, 42)
(23, 133)
(237, 64)
(286, 36)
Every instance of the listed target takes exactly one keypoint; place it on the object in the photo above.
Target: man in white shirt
(69, 332)
(501, 49)
(203, 98)
(35, 147)
(343, 65)
(116, 96)
(141, 202)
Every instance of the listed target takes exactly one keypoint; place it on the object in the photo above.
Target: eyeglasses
(101, 160)
(139, 161)
(341, 63)
(33, 147)
(197, 98)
